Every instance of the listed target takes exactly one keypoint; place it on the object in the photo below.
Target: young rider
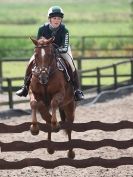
(58, 30)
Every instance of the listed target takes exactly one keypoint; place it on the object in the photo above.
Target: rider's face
(55, 21)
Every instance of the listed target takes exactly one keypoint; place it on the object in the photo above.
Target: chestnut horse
(49, 90)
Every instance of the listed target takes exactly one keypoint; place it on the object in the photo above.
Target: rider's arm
(65, 43)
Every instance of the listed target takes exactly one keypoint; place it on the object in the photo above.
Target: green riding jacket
(61, 35)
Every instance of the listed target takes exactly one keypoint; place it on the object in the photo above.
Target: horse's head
(44, 58)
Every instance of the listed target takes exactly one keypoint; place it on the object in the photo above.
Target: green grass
(83, 17)
(13, 69)
(24, 12)
(75, 29)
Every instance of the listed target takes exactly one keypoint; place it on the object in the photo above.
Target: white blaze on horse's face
(42, 52)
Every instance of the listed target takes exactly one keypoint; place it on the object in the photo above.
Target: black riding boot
(78, 94)
(25, 88)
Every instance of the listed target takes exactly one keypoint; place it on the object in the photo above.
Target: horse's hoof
(34, 129)
(71, 154)
(50, 150)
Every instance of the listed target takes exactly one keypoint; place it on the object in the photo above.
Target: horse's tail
(62, 114)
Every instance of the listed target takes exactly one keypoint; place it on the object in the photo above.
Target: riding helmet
(55, 11)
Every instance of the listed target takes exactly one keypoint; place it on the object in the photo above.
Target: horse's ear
(34, 41)
(51, 39)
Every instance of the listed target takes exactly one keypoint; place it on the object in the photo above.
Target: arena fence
(113, 72)
(63, 146)
(98, 74)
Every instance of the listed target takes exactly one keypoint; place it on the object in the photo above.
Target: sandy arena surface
(110, 112)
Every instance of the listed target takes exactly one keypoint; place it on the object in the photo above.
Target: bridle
(43, 73)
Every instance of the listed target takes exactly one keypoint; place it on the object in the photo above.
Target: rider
(58, 30)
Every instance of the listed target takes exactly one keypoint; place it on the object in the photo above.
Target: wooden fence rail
(78, 60)
(96, 73)
(115, 75)
(63, 146)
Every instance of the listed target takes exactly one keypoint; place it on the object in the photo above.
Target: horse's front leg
(34, 127)
(70, 114)
(55, 102)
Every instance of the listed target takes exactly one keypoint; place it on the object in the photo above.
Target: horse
(49, 90)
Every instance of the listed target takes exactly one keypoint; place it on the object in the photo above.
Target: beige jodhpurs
(67, 56)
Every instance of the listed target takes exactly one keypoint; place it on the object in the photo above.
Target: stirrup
(23, 91)
(78, 94)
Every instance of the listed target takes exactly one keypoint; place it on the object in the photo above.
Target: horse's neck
(51, 59)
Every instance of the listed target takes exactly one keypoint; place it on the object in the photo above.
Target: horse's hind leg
(62, 115)
(55, 102)
(50, 149)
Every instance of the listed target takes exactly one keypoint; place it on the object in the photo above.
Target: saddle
(64, 67)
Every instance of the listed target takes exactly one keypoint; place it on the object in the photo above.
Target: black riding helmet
(55, 11)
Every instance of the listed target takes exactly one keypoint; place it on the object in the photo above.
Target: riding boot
(25, 88)
(78, 94)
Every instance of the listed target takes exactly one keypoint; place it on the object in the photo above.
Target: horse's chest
(50, 89)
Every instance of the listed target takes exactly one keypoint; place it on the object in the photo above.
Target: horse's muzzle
(44, 77)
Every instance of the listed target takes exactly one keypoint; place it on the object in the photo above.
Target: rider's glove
(61, 50)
